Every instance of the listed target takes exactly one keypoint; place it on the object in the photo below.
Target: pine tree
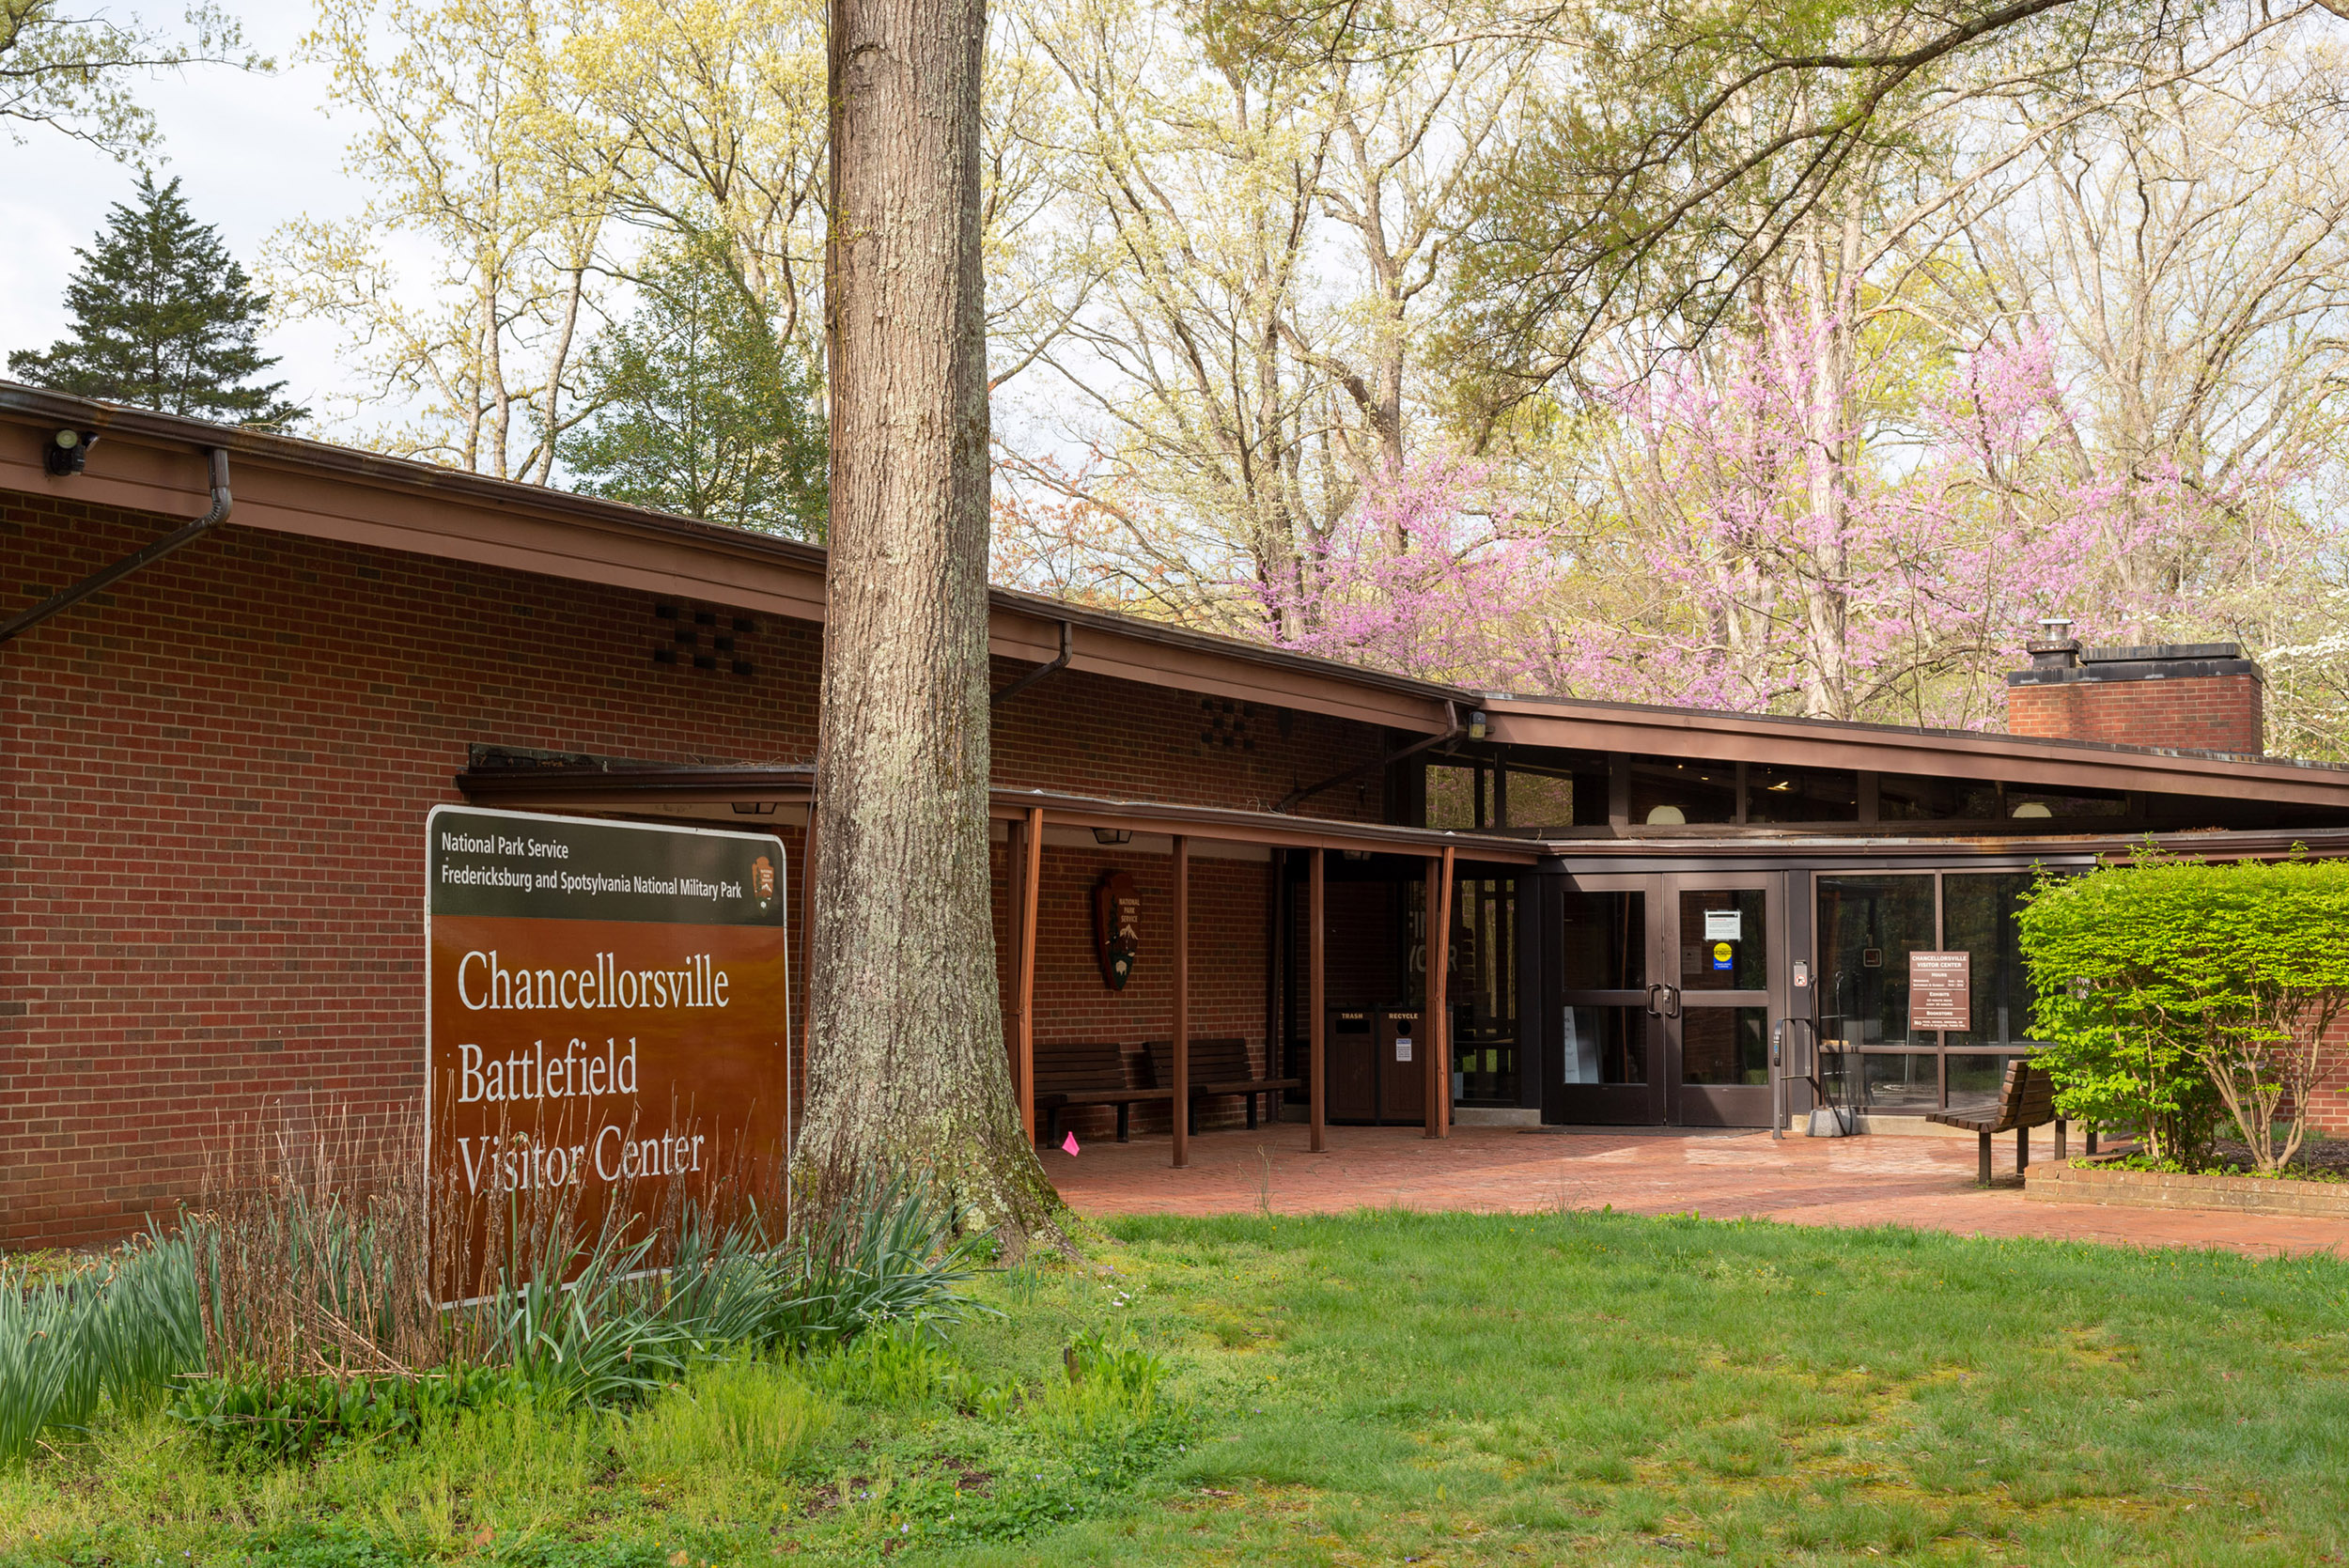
(163, 317)
(700, 409)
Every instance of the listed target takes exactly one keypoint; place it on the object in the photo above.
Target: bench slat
(2026, 1099)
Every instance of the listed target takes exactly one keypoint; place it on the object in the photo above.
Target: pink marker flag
(1069, 1145)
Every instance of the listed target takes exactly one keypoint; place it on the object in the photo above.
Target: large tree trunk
(906, 1062)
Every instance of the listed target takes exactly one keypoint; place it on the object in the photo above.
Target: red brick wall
(215, 778)
(1073, 1005)
(2328, 1107)
(2211, 713)
(1094, 735)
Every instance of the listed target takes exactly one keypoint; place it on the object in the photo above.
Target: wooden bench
(1217, 1067)
(2026, 1100)
(1087, 1073)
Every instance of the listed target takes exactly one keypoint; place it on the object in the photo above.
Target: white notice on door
(1724, 925)
(1403, 1048)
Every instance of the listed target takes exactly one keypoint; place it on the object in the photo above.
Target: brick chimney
(2187, 696)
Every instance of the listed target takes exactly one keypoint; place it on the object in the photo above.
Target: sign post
(605, 1016)
(1940, 991)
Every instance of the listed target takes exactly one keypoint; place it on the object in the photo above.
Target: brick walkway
(1924, 1182)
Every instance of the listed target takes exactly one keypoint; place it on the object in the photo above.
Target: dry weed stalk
(342, 1251)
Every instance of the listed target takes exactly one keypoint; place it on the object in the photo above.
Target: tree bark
(906, 1063)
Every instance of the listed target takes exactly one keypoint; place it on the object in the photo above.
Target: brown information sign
(605, 1010)
(1940, 991)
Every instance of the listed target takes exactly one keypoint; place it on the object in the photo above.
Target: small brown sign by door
(1116, 928)
(1940, 991)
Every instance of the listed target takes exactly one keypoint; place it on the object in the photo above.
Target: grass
(1378, 1388)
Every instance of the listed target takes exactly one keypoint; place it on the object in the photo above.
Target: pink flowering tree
(1428, 574)
(1795, 539)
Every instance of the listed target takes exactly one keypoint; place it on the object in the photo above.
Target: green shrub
(894, 1368)
(1111, 1414)
(2172, 992)
(750, 1417)
(284, 1421)
(307, 1321)
(120, 1329)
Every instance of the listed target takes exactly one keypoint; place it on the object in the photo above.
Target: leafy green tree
(702, 410)
(163, 317)
(67, 68)
(2172, 991)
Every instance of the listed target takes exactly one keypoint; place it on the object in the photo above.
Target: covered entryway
(1670, 987)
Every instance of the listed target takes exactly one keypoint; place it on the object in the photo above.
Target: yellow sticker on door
(1722, 954)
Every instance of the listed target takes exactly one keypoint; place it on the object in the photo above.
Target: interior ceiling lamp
(1112, 836)
(1667, 816)
(2033, 808)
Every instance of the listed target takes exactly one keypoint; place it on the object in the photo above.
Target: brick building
(219, 765)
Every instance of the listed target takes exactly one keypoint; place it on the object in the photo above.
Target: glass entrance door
(1726, 946)
(1610, 1015)
(1669, 985)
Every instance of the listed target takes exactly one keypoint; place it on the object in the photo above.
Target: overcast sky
(251, 152)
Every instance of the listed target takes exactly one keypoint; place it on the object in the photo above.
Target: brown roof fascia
(1717, 736)
(152, 462)
(2225, 843)
(641, 790)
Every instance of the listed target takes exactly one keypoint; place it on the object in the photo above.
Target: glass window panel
(1912, 798)
(1451, 797)
(1902, 1080)
(1868, 927)
(1484, 989)
(1725, 1045)
(1837, 1067)
(1603, 941)
(1545, 799)
(1605, 1044)
(1800, 795)
(1668, 794)
(1713, 959)
(1978, 916)
(1975, 1080)
(2066, 803)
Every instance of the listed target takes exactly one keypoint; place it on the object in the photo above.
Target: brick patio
(1924, 1182)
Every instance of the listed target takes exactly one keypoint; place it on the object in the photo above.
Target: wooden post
(1015, 856)
(807, 959)
(1182, 1001)
(1317, 1020)
(1030, 873)
(1439, 1031)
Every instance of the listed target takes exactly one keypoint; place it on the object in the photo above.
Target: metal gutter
(216, 462)
(334, 492)
(340, 493)
(1067, 643)
(644, 790)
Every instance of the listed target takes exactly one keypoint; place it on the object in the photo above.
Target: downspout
(1454, 729)
(177, 538)
(1067, 638)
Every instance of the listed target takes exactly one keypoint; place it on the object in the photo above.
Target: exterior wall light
(66, 451)
(1476, 724)
(1112, 836)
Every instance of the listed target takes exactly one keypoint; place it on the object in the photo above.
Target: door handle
(1672, 1001)
(1654, 1009)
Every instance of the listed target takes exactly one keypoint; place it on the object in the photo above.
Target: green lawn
(1385, 1388)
